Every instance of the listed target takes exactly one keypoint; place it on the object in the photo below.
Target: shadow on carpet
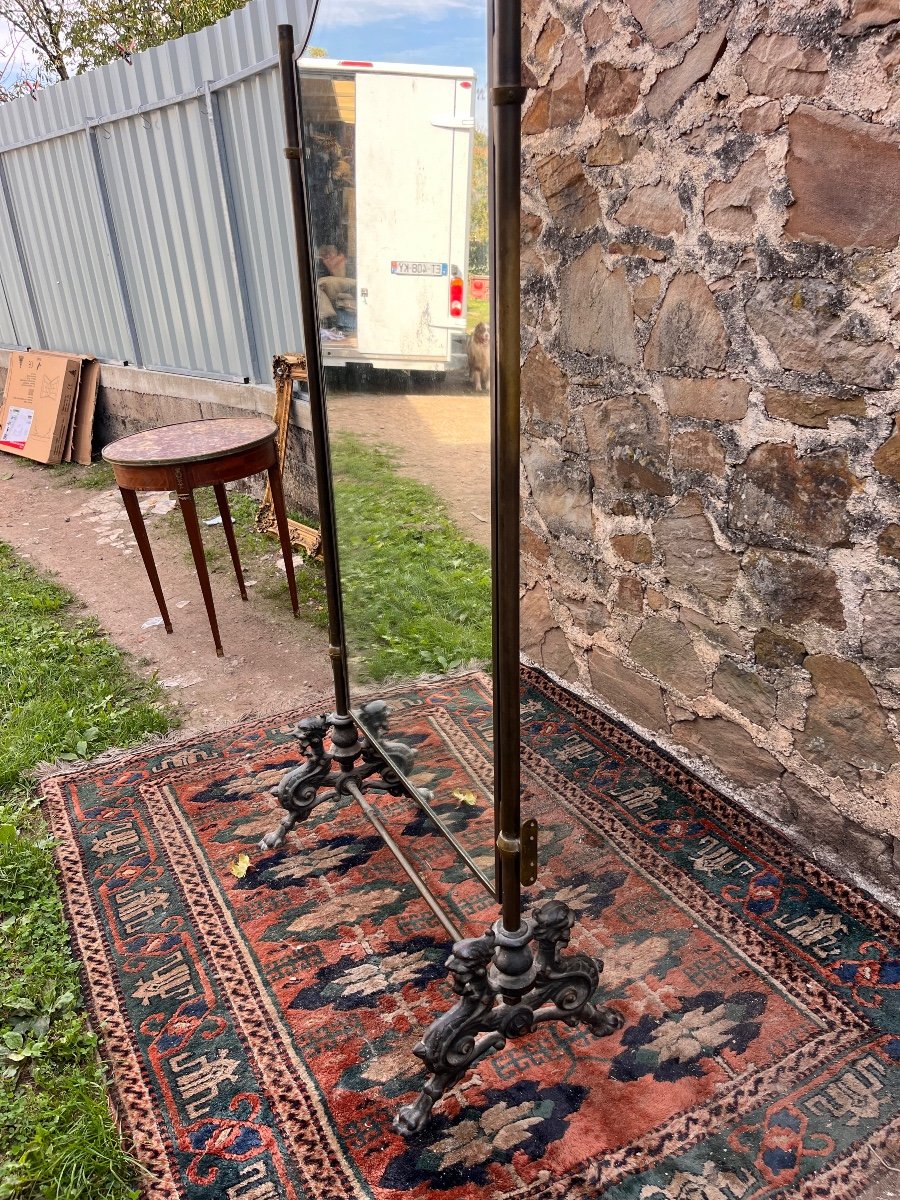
(259, 1028)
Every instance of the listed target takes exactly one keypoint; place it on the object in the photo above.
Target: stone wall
(711, 445)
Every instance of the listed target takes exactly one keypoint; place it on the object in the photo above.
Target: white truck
(389, 171)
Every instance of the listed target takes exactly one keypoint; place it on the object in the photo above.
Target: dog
(478, 354)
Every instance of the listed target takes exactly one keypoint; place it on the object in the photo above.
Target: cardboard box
(38, 402)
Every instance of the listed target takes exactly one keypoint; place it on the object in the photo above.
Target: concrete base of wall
(131, 399)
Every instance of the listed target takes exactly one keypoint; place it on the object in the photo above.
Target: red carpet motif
(259, 1029)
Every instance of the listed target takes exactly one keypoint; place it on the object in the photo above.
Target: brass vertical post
(506, 95)
(306, 274)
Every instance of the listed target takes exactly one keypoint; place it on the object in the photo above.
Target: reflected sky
(448, 33)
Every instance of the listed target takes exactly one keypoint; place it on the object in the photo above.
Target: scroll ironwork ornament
(350, 759)
(494, 1005)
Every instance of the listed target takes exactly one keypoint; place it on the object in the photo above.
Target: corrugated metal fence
(144, 215)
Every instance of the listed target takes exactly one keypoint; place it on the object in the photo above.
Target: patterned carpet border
(746, 824)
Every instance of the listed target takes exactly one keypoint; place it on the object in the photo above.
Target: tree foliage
(66, 37)
(478, 229)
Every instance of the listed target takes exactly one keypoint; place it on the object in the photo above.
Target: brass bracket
(526, 847)
(529, 852)
(292, 152)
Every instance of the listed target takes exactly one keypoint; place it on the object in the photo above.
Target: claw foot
(603, 1020)
(275, 837)
(413, 1117)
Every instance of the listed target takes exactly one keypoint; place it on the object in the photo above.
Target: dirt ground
(443, 440)
(272, 661)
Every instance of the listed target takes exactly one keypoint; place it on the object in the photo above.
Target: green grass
(257, 553)
(64, 692)
(417, 594)
(477, 310)
(97, 477)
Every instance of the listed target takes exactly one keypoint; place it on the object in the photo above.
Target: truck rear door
(405, 162)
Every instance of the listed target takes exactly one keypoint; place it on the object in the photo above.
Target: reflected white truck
(399, 142)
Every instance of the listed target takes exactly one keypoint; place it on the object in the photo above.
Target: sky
(450, 33)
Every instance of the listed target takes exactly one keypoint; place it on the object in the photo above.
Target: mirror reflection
(396, 166)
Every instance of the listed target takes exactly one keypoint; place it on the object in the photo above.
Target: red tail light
(456, 296)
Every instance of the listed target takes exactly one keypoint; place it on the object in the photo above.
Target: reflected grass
(258, 554)
(417, 593)
(477, 310)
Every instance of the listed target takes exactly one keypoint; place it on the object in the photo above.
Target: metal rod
(418, 882)
(416, 796)
(449, 836)
(306, 274)
(506, 95)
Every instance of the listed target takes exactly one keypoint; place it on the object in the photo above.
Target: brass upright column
(516, 975)
(306, 275)
(506, 96)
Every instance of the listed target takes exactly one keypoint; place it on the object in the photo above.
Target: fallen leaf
(466, 798)
(240, 866)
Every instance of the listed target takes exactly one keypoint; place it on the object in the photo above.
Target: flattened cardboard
(37, 404)
(82, 427)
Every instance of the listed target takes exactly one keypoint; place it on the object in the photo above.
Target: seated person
(336, 291)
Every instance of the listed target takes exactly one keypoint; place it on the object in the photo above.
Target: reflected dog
(478, 354)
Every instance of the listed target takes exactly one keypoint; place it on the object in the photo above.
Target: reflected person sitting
(336, 290)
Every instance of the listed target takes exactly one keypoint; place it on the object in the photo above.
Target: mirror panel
(395, 146)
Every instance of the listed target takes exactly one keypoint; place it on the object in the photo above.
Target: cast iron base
(507, 982)
(504, 990)
(299, 792)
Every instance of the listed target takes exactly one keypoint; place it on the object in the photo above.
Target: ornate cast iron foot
(504, 990)
(351, 759)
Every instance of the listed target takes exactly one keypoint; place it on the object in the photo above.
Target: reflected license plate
(418, 268)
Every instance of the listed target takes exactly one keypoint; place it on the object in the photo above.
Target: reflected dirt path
(440, 439)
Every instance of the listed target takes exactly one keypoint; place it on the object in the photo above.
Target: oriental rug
(258, 1017)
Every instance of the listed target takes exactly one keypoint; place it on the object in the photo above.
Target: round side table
(196, 454)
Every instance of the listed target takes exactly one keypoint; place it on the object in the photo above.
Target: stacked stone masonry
(711, 413)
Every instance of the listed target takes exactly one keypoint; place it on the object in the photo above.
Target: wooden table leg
(284, 535)
(139, 529)
(225, 512)
(192, 525)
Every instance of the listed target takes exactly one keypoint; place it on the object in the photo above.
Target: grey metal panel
(8, 333)
(23, 329)
(55, 198)
(241, 40)
(253, 129)
(171, 222)
(180, 243)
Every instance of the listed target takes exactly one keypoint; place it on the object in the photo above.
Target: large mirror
(396, 165)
